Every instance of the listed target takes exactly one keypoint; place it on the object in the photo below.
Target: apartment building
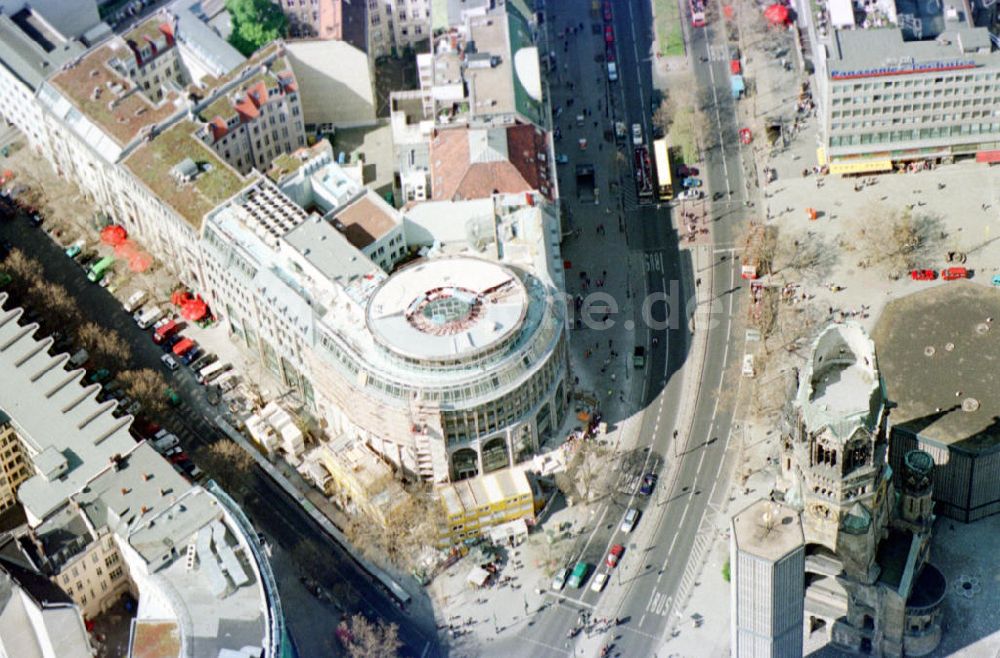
(258, 121)
(107, 515)
(127, 123)
(13, 468)
(395, 25)
(478, 125)
(475, 505)
(890, 98)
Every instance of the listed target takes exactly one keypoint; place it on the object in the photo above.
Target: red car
(607, 11)
(609, 34)
(685, 171)
(952, 273)
(923, 275)
(615, 555)
(745, 136)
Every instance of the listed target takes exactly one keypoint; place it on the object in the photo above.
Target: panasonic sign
(926, 67)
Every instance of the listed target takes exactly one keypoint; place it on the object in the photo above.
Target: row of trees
(106, 347)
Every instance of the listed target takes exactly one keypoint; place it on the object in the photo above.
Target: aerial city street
(538, 328)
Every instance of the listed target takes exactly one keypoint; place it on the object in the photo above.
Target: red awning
(194, 309)
(180, 297)
(114, 235)
(140, 262)
(777, 14)
(989, 157)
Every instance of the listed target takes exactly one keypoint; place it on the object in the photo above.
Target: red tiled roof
(219, 128)
(455, 176)
(257, 93)
(246, 109)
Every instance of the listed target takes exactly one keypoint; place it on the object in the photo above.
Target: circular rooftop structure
(448, 309)
(940, 361)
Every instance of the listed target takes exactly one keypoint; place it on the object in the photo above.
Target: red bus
(697, 12)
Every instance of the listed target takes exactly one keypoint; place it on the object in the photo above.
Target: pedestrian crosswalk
(628, 483)
(718, 53)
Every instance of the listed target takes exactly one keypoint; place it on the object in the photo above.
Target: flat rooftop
(30, 55)
(855, 50)
(217, 181)
(366, 220)
(54, 412)
(109, 99)
(338, 260)
(768, 530)
(447, 308)
(939, 355)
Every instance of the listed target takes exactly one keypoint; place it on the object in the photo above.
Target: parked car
(952, 273)
(168, 343)
(74, 249)
(607, 11)
(99, 376)
(690, 193)
(636, 134)
(691, 181)
(609, 34)
(191, 355)
(923, 275)
(559, 580)
(579, 575)
(684, 171)
(169, 361)
(631, 516)
(615, 555)
(178, 457)
(600, 580)
(648, 484)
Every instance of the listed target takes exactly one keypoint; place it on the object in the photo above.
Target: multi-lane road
(687, 447)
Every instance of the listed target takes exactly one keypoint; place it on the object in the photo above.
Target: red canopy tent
(126, 249)
(140, 262)
(777, 14)
(114, 235)
(180, 297)
(194, 309)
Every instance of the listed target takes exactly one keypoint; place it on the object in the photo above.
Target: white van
(227, 381)
(210, 372)
(165, 441)
(146, 318)
(135, 301)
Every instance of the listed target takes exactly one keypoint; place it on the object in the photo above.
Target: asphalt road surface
(280, 518)
(652, 571)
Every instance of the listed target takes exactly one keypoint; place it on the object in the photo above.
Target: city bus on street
(664, 181)
(99, 268)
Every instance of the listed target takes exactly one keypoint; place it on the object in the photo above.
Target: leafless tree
(148, 387)
(892, 238)
(25, 270)
(585, 471)
(58, 304)
(366, 639)
(398, 533)
(226, 461)
(663, 118)
(105, 346)
(806, 254)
